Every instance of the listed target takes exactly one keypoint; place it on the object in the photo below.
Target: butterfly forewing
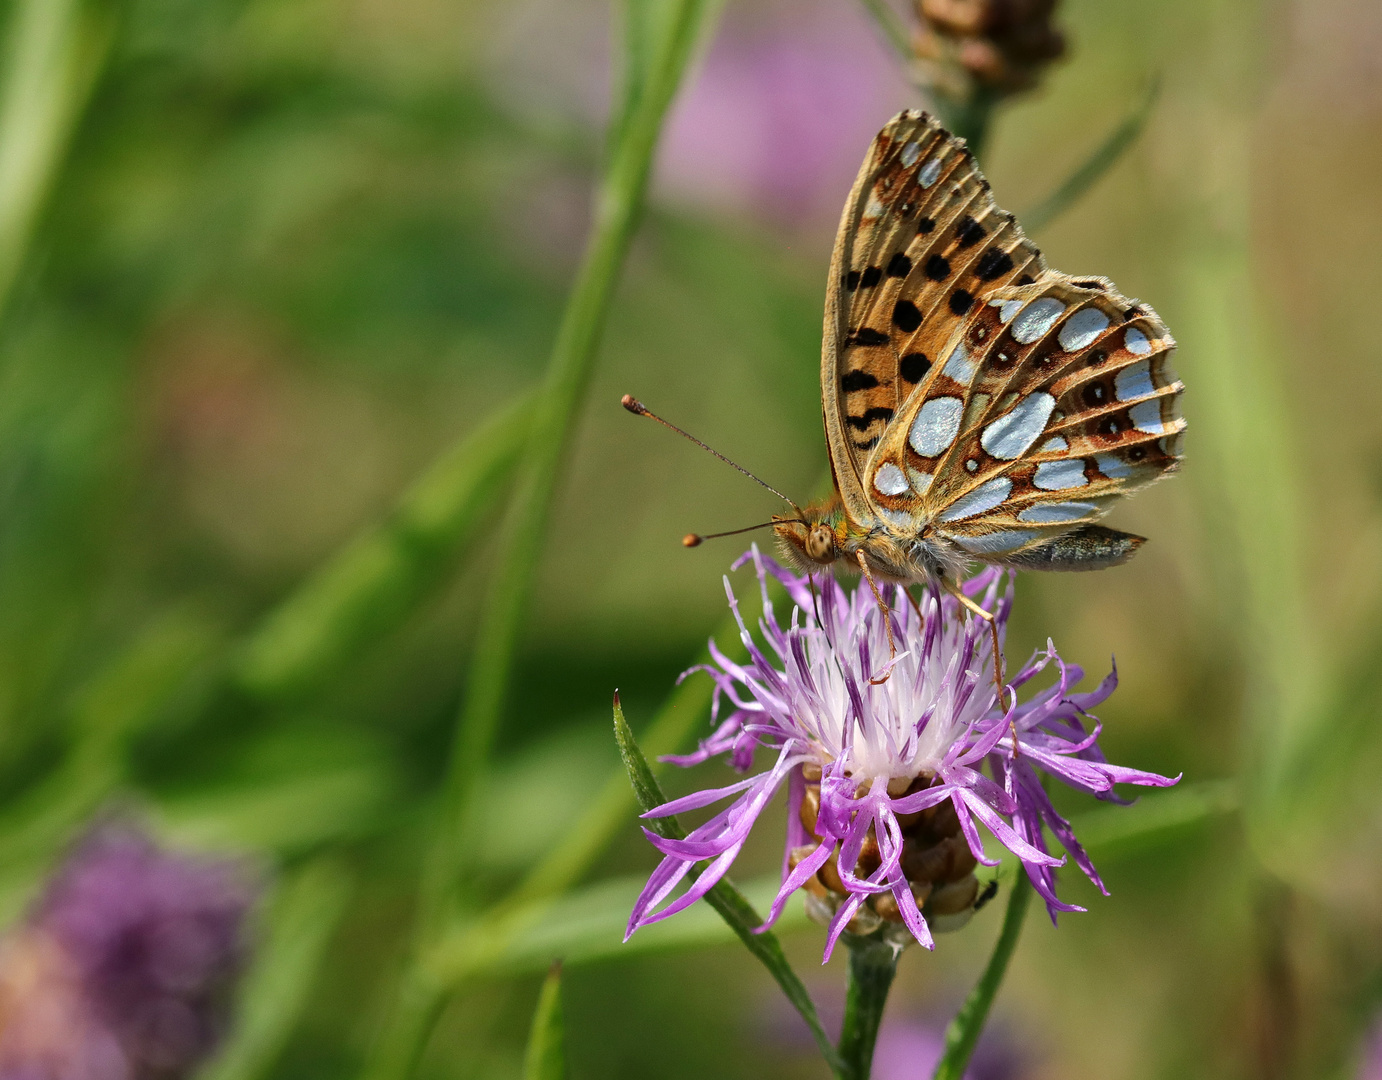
(971, 393)
(919, 242)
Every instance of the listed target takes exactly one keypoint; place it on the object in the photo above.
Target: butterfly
(978, 405)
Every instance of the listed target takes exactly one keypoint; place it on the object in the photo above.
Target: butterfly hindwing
(1049, 401)
(920, 242)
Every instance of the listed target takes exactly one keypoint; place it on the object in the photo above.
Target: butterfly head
(812, 539)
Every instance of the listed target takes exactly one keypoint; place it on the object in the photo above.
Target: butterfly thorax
(826, 534)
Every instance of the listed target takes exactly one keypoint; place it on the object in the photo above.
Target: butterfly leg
(887, 612)
(954, 590)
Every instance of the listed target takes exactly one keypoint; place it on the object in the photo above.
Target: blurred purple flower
(1370, 1067)
(124, 969)
(909, 1045)
(893, 769)
(908, 1049)
(781, 111)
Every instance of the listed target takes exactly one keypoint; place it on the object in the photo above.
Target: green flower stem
(963, 1033)
(872, 965)
(56, 50)
(970, 119)
(667, 43)
(618, 207)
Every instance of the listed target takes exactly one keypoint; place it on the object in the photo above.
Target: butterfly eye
(820, 544)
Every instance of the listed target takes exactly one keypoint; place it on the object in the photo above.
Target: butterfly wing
(920, 241)
(1049, 402)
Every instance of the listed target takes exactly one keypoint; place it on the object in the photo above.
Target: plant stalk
(872, 965)
(963, 1033)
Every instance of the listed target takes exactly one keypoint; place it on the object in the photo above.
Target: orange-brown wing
(921, 245)
(1049, 402)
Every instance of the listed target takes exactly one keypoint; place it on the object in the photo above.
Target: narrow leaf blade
(546, 1055)
(1106, 155)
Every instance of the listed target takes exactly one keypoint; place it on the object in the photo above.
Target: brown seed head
(691, 540)
(632, 404)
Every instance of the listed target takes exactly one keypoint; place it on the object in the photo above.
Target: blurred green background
(272, 258)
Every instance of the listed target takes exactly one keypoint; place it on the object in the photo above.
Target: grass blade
(619, 205)
(305, 915)
(1104, 157)
(378, 578)
(545, 1058)
(55, 53)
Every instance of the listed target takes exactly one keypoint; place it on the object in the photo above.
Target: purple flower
(1370, 1063)
(885, 780)
(125, 968)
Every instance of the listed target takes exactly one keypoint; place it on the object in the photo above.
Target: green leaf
(728, 902)
(378, 578)
(619, 207)
(305, 914)
(1106, 155)
(1155, 817)
(285, 814)
(54, 55)
(587, 927)
(546, 1055)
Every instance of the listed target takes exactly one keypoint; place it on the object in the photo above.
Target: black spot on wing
(899, 266)
(993, 264)
(852, 381)
(870, 277)
(867, 444)
(915, 366)
(938, 268)
(1099, 285)
(969, 232)
(852, 280)
(1094, 394)
(869, 418)
(961, 301)
(906, 316)
(925, 225)
(1026, 279)
(868, 336)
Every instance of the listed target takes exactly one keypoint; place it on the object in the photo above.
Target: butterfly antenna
(696, 539)
(639, 409)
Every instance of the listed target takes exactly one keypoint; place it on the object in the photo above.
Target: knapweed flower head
(889, 780)
(123, 970)
(999, 46)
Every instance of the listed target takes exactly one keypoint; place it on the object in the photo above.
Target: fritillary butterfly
(978, 405)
